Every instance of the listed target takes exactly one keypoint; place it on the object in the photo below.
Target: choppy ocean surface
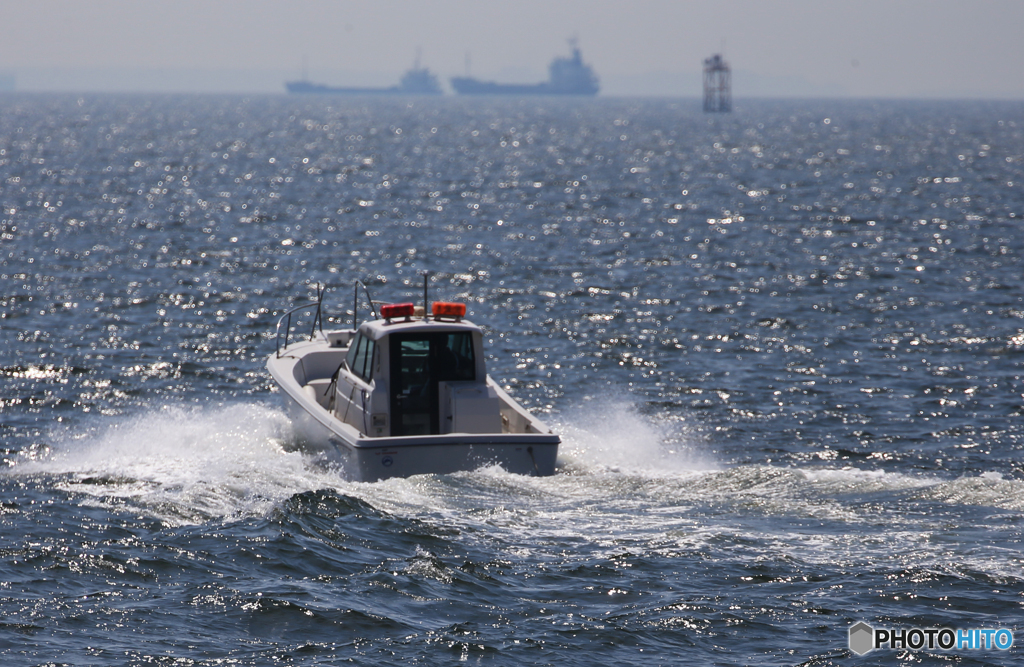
(784, 348)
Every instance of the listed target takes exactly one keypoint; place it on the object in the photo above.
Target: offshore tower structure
(717, 85)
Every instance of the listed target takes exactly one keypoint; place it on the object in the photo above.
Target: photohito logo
(864, 638)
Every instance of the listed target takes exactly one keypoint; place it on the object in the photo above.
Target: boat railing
(284, 323)
(355, 303)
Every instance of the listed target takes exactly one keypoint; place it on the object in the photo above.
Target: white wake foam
(610, 433)
(184, 464)
(627, 481)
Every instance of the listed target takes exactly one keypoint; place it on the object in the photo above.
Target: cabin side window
(360, 357)
(353, 348)
(367, 373)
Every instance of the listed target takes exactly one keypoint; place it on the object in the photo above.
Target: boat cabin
(408, 376)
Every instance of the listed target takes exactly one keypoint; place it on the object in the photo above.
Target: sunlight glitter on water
(805, 411)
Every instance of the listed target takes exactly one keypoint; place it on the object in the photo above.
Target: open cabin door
(418, 362)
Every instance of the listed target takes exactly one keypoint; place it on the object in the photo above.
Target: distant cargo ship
(417, 81)
(568, 76)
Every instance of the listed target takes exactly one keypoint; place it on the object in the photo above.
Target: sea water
(783, 348)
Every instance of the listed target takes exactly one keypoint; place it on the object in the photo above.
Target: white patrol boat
(404, 394)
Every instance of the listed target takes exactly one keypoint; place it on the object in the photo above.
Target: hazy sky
(859, 48)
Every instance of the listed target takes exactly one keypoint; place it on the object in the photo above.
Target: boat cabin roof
(377, 329)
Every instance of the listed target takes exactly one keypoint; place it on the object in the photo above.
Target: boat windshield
(418, 362)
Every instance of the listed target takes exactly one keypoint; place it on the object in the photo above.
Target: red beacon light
(397, 310)
(447, 309)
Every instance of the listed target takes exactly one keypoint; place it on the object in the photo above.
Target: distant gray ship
(417, 81)
(568, 76)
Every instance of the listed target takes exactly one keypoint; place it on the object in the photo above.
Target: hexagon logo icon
(861, 636)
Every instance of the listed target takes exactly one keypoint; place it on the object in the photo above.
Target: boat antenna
(426, 281)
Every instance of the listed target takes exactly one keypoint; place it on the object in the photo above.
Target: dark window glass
(455, 360)
(358, 362)
(353, 348)
(367, 373)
